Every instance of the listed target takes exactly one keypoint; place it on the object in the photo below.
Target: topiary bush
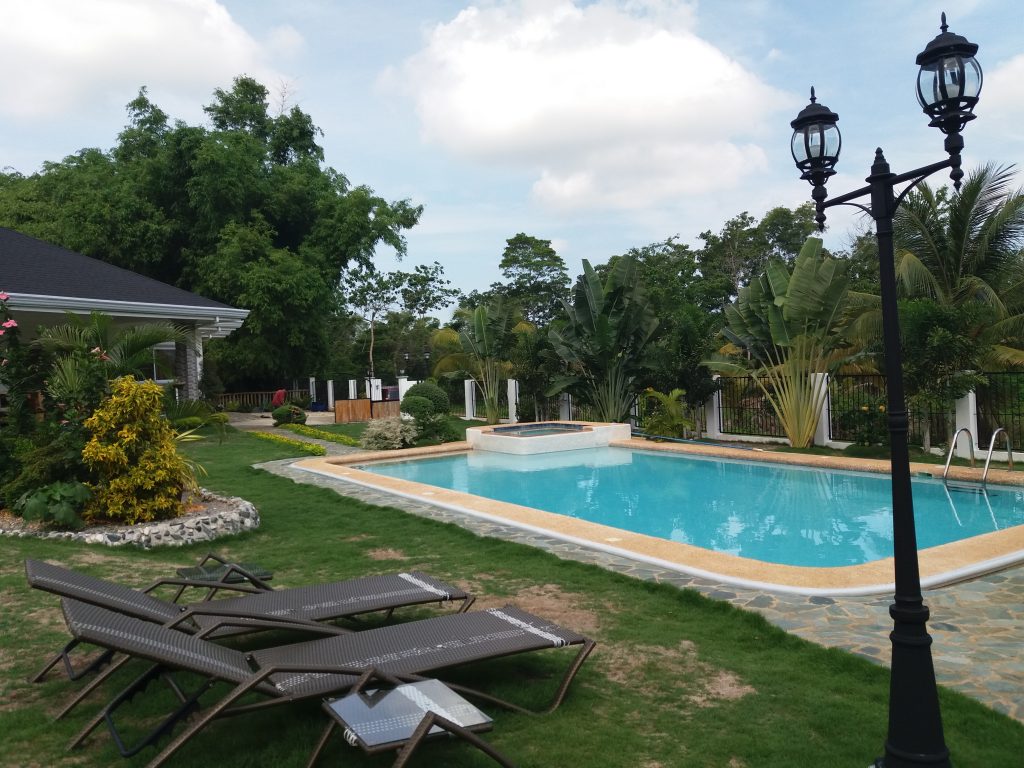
(433, 393)
(420, 408)
(140, 476)
(288, 414)
(388, 434)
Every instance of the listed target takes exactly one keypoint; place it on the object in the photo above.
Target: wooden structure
(348, 411)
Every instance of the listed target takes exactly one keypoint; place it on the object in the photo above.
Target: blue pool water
(769, 512)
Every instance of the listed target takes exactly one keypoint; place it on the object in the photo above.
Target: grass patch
(677, 679)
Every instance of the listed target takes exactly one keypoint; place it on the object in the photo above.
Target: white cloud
(1001, 108)
(611, 104)
(60, 56)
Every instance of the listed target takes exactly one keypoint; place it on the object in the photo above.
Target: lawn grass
(676, 680)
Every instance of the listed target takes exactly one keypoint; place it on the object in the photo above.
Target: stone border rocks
(218, 516)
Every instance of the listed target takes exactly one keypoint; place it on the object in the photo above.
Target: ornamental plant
(288, 414)
(388, 434)
(300, 445)
(132, 451)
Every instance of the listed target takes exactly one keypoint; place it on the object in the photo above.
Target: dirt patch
(357, 537)
(735, 762)
(679, 667)
(551, 602)
(386, 553)
(722, 686)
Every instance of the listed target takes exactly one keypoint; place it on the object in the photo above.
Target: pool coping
(943, 564)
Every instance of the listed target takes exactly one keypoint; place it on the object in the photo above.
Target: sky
(600, 126)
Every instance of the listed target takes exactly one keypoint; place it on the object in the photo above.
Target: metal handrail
(992, 447)
(952, 448)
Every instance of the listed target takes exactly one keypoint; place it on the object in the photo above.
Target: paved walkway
(977, 626)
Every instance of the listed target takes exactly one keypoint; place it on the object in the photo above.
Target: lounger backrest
(143, 639)
(416, 648)
(319, 602)
(89, 589)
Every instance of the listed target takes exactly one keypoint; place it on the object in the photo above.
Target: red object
(278, 399)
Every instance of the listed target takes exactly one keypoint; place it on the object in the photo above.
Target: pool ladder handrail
(992, 446)
(988, 457)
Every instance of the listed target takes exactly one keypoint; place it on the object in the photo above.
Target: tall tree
(742, 249)
(242, 211)
(536, 277)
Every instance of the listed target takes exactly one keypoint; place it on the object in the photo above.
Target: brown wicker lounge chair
(317, 602)
(311, 669)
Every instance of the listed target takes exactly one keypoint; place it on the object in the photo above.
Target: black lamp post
(947, 88)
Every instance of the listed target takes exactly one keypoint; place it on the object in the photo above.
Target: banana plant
(602, 337)
(480, 350)
(787, 328)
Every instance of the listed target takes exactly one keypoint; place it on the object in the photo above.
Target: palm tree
(88, 347)
(967, 249)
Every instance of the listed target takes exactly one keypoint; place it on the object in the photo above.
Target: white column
(353, 389)
(469, 390)
(330, 395)
(513, 401)
(374, 390)
(825, 415)
(967, 416)
(312, 388)
(404, 385)
(564, 408)
(712, 415)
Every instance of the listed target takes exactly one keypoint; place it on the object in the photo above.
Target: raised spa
(545, 436)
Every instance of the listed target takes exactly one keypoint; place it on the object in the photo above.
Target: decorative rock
(220, 516)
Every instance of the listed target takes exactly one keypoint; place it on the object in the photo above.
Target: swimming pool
(798, 516)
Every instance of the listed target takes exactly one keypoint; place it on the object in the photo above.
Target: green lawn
(676, 679)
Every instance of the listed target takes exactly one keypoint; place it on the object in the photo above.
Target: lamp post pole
(948, 87)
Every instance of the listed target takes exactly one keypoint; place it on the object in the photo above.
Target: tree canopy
(242, 211)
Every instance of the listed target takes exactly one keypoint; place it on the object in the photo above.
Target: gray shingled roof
(32, 266)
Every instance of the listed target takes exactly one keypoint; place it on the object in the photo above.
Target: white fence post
(374, 390)
(822, 429)
(353, 389)
(469, 390)
(404, 385)
(967, 416)
(330, 395)
(312, 389)
(513, 401)
(564, 408)
(712, 415)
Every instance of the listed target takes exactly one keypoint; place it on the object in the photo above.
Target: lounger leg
(429, 721)
(466, 603)
(140, 683)
(73, 674)
(95, 683)
(563, 687)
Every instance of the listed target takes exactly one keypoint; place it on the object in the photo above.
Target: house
(44, 281)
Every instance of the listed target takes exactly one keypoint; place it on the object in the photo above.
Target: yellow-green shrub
(140, 476)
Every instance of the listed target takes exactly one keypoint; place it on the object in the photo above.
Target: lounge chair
(311, 669)
(318, 602)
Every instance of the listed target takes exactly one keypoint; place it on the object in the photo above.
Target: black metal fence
(745, 409)
(1001, 404)
(857, 408)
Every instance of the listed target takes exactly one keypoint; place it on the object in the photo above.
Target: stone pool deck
(977, 625)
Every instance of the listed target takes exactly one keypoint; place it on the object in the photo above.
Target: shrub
(58, 503)
(186, 423)
(54, 453)
(388, 434)
(420, 408)
(233, 406)
(140, 476)
(433, 393)
(288, 414)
